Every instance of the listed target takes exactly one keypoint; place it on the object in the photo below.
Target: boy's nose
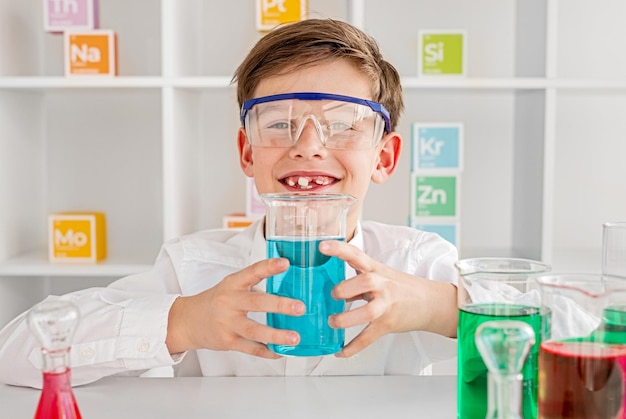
(308, 121)
(309, 139)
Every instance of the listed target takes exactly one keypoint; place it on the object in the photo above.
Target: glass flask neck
(55, 362)
(505, 391)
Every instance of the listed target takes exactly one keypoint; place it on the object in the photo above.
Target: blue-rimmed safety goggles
(342, 122)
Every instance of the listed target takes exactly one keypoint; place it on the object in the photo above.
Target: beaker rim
(496, 265)
(317, 196)
(593, 285)
(621, 224)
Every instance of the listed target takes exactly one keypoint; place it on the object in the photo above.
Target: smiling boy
(319, 109)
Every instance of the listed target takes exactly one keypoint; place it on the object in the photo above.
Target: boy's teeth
(308, 182)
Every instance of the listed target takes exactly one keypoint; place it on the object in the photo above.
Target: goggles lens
(341, 122)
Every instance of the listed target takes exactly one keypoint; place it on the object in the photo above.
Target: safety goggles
(341, 122)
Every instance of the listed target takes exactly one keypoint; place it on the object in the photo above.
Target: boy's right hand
(217, 318)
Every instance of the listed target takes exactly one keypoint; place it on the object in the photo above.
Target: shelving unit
(543, 108)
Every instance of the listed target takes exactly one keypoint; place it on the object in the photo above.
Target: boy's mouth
(307, 183)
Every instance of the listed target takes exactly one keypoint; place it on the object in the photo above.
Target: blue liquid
(310, 279)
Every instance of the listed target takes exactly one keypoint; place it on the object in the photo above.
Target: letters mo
(78, 239)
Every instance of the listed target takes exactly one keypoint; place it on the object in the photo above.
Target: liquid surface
(581, 380)
(472, 371)
(310, 278)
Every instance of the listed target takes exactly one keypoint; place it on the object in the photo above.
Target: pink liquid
(582, 380)
(57, 398)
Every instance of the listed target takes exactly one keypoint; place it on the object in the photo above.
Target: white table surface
(359, 397)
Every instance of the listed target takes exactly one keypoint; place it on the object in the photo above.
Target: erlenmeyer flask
(504, 346)
(54, 324)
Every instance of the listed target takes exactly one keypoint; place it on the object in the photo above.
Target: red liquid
(582, 380)
(57, 398)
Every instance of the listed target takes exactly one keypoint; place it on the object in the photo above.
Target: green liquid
(612, 329)
(472, 371)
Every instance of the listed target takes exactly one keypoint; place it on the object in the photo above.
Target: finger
(254, 348)
(269, 303)
(257, 332)
(362, 315)
(351, 254)
(362, 286)
(369, 335)
(258, 271)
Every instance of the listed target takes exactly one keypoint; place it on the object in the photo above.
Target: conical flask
(53, 323)
(504, 346)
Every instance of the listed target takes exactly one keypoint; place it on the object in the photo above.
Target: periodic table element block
(236, 221)
(76, 237)
(255, 208)
(437, 146)
(448, 231)
(92, 53)
(434, 195)
(270, 13)
(442, 53)
(64, 15)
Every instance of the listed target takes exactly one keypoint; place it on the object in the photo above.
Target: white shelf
(35, 264)
(26, 83)
(532, 83)
(223, 82)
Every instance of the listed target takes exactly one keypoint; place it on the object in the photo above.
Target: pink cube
(62, 15)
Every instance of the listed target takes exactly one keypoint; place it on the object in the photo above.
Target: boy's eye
(339, 126)
(279, 125)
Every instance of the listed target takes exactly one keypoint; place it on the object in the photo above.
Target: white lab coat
(123, 326)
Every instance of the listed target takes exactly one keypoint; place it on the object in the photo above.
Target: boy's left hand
(396, 301)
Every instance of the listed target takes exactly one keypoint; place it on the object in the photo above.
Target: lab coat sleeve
(122, 328)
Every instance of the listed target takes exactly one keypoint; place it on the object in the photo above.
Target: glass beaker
(614, 249)
(582, 357)
(492, 289)
(295, 224)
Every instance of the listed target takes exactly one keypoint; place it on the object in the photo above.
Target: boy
(202, 307)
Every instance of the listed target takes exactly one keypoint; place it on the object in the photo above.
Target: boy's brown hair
(308, 42)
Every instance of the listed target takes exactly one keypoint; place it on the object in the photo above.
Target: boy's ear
(245, 152)
(388, 156)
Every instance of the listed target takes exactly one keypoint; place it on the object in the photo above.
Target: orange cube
(92, 53)
(236, 221)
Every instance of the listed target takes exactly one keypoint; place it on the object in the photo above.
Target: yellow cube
(77, 237)
(271, 13)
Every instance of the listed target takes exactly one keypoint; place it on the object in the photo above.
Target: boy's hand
(396, 301)
(217, 318)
